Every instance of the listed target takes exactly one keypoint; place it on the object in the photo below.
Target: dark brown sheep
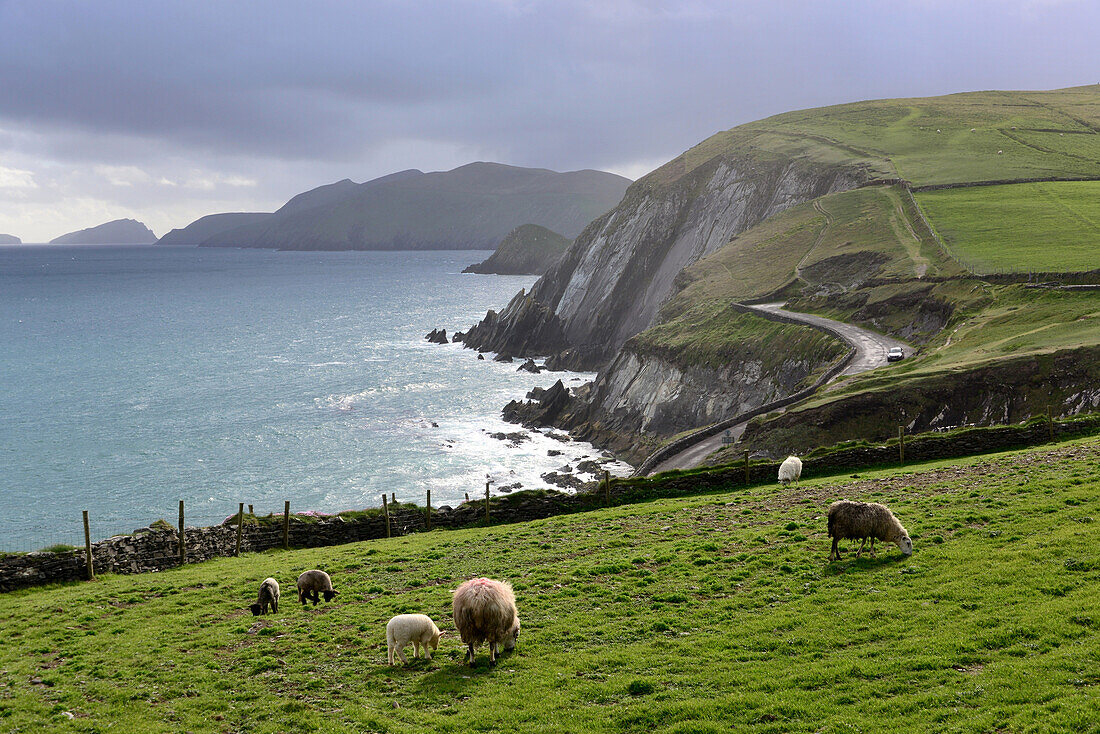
(862, 520)
(313, 582)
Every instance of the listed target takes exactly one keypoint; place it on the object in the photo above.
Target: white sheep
(269, 596)
(790, 470)
(485, 611)
(862, 520)
(417, 629)
(312, 582)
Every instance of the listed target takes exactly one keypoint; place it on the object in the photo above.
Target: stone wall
(156, 549)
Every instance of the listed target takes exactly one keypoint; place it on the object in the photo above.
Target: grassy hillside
(704, 614)
(1036, 227)
(976, 136)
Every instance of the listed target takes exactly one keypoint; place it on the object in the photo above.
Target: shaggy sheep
(485, 611)
(269, 595)
(417, 629)
(312, 582)
(790, 470)
(850, 520)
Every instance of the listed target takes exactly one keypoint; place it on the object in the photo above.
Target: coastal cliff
(612, 282)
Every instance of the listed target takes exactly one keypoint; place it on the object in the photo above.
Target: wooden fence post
(240, 526)
(428, 518)
(250, 510)
(286, 525)
(486, 503)
(386, 512)
(183, 547)
(901, 444)
(746, 467)
(88, 548)
(607, 487)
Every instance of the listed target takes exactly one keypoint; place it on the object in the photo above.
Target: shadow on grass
(454, 676)
(850, 564)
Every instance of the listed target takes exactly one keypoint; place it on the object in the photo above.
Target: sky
(167, 111)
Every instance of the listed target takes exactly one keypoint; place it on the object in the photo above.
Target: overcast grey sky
(166, 111)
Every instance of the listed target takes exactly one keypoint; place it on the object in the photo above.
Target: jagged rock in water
(563, 480)
(530, 366)
(503, 357)
(481, 356)
(437, 336)
(457, 336)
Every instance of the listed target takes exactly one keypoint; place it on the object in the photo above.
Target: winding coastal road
(871, 349)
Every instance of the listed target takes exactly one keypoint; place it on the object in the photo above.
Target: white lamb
(790, 470)
(417, 629)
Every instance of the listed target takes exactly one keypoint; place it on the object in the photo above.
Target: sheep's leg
(427, 652)
(401, 654)
(862, 542)
(492, 653)
(834, 554)
(416, 649)
(872, 547)
(389, 653)
(471, 654)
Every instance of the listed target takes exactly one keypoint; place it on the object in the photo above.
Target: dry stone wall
(156, 549)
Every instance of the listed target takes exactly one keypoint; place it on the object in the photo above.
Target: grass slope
(703, 614)
(975, 136)
(1037, 227)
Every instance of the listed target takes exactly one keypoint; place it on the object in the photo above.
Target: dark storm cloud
(293, 94)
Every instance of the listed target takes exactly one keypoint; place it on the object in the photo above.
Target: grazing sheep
(850, 520)
(269, 595)
(417, 629)
(312, 582)
(485, 611)
(790, 470)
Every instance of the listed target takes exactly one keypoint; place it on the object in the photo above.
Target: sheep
(790, 470)
(311, 582)
(269, 595)
(417, 629)
(850, 520)
(485, 611)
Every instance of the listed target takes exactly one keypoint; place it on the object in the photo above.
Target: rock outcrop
(10, 239)
(527, 250)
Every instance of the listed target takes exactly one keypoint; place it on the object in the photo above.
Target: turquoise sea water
(133, 377)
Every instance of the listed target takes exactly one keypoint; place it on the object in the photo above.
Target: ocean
(132, 377)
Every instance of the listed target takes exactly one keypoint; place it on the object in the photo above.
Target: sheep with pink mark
(485, 611)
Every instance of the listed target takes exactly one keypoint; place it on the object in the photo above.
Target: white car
(895, 354)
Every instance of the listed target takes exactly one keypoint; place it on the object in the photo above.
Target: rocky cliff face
(642, 398)
(611, 283)
(1011, 391)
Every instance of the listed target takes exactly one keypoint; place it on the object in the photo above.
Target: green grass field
(713, 613)
(1027, 227)
(975, 136)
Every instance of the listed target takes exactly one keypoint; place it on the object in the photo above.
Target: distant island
(118, 232)
(10, 239)
(527, 250)
(471, 207)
